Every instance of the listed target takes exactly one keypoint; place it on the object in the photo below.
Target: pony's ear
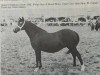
(22, 18)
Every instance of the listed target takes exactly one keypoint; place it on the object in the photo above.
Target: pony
(42, 40)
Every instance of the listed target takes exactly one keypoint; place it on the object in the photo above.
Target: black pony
(41, 40)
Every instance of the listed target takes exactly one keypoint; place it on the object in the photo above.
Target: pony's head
(20, 25)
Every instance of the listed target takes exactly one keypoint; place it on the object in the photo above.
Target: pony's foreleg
(38, 60)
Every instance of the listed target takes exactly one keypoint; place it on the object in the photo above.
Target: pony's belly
(54, 47)
(52, 50)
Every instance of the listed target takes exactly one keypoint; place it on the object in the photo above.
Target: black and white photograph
(50, 37)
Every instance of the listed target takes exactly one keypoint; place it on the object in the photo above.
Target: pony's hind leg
(80, 59)
(75, 54)
(68, 52)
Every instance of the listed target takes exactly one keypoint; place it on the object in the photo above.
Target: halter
(22, 25)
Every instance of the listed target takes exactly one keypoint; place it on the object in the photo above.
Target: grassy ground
(18, 57)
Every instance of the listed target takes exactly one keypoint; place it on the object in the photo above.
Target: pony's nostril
(13, 30)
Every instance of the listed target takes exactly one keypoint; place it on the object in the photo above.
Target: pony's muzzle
(15, 30)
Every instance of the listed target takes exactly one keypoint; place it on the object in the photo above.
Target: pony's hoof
(36, 70)
(82, 68)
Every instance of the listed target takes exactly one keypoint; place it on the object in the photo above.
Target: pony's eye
(20, 24)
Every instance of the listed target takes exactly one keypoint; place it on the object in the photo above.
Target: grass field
(18, 57)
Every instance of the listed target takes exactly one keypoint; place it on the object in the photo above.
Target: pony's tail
(78, 39)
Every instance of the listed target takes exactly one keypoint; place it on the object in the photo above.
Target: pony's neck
(32, 30)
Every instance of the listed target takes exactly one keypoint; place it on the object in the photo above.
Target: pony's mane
(33, 25)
